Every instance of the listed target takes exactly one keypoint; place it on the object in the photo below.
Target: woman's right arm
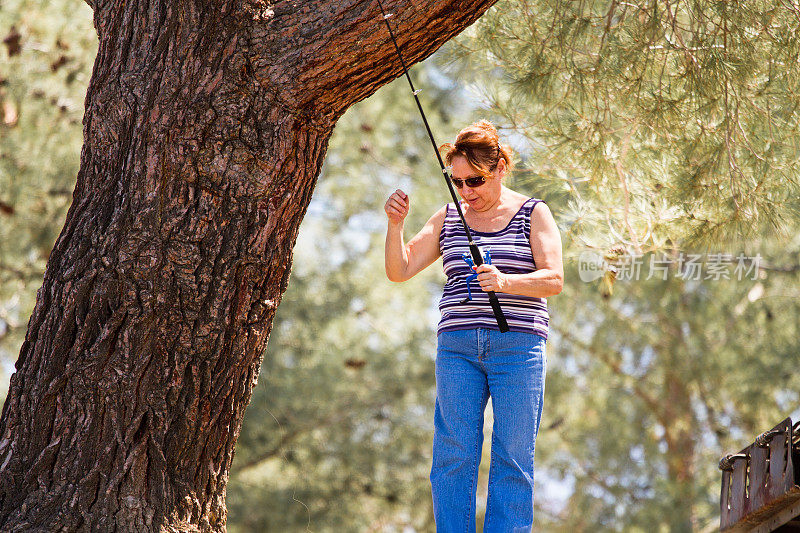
(404, 261)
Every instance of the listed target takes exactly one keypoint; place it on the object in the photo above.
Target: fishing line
(474, 250)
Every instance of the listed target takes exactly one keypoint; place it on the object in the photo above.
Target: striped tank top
(511, 254)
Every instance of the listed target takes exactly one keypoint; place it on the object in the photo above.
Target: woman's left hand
(491, 279)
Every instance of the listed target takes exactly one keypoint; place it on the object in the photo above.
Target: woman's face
(484, 196)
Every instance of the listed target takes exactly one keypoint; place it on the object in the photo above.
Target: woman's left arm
(548, 278)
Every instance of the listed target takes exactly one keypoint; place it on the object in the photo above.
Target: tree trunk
(681, 429)
(205, 129)
(680, 436)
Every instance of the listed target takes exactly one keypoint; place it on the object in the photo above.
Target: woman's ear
(501, 168)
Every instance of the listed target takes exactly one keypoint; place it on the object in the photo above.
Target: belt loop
(483, 341)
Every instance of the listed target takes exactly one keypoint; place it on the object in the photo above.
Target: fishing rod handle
(498, 312)
(477, 258)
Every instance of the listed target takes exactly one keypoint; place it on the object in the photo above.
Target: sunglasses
(475, 181)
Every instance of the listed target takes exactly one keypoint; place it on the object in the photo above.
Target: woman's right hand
(397, 207)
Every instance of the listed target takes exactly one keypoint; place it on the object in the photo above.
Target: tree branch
(352, 54)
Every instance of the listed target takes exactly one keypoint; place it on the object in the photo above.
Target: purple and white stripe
(511, 254)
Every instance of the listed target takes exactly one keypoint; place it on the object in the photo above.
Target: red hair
(481, 147)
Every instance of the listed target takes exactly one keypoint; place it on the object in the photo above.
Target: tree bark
(204, 132)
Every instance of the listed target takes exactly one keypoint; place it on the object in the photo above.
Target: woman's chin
(474, 203)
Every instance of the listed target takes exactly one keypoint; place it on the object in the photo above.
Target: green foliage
(650, 386)
(678, 119)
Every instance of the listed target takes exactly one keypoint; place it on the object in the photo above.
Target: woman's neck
(490, 210)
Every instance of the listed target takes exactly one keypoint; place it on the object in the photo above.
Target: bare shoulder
(437, 219)
(540, 208)
(541, 216)
(439, 216)
(517, 198)
(513, 201)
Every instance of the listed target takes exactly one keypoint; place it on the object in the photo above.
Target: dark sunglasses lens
(471, 182)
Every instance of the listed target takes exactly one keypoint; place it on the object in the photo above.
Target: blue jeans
(471, 365)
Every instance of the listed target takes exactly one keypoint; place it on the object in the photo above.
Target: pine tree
(669, 123)
(204, 132)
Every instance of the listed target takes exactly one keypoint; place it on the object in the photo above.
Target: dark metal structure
(759, 484)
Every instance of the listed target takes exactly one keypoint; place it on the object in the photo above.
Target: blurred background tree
(671, 123)
(46, 58)
(660, 127)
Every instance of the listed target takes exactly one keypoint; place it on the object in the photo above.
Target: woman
(474, 360)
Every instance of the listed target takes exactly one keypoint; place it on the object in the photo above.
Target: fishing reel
(487, 259)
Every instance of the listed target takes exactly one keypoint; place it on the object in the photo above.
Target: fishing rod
(477, 256)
